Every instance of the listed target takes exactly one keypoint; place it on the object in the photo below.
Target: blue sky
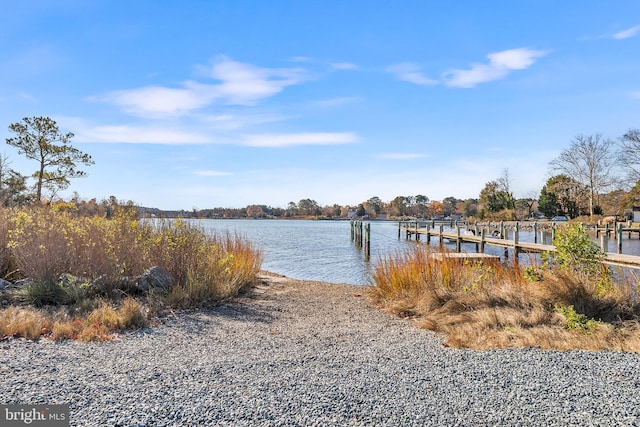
(187, 104)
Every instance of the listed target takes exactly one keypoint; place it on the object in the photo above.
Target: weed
(533, 273)
(576, 320)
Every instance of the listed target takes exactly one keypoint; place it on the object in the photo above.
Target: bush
(576, 251)
(46, 243)
(75, 261)
(476, 305)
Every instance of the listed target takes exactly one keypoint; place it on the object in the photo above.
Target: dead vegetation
(479, 305)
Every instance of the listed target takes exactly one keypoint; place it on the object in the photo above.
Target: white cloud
(212, 173)
(343, 66)
(292, 139)
(246, 84)
(138, 135)
(336, 102)
(500, 65)
(627, 33)
(239, 84)
(158, 100)
(402, 156)
(235, 121)
(636, 95)
(411, 73)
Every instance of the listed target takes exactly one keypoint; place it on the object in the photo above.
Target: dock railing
(496, 234)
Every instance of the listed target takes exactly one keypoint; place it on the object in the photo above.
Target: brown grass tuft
(23, 322)
(479, 305)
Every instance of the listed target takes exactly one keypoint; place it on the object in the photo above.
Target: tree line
(594, 175)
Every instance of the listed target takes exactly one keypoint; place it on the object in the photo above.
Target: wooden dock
(462, 235)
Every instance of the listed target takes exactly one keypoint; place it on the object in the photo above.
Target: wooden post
(619, 238)
(458, 242)
(516, 240)
(440, 227)
(535, 232)
(428, 233)
(483, 235)
(604, 243)
(399, 229)
(367, 241)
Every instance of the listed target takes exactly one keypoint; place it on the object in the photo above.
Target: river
(323, 250)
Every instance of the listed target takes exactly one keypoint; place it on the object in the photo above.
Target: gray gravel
(305, 353)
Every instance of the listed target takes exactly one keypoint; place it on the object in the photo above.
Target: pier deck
(458, 237)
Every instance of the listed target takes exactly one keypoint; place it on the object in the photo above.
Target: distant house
(636, 213)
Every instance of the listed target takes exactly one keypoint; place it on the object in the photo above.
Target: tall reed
(489, 305)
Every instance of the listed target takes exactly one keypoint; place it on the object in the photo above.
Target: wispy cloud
(239, 83)
(238, 120)
(635, 95)
(336, 102)
(127, 134)
(343, 66)
(633, 31)
(411, 73)
(402, 156)
(293, 139)
(212, 173)
(499, 66)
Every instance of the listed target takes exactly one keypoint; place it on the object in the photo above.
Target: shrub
(46, 243)
(576, 320)
(576, 251)
(475, 306)
(75, 261)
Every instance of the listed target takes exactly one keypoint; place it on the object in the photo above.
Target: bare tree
(588, 160)
(504, 185)
(630, 154)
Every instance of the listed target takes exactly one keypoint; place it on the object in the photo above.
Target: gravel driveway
(309, 353)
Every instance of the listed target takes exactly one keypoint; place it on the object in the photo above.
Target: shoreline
(295, 352)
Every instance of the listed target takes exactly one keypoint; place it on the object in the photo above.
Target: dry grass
(99, 325)
(480, 306)
(23, 322)
(44, 243)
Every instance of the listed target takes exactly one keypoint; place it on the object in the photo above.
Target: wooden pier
(496, 236)
(361, 235)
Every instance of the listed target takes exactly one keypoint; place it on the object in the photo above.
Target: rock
(23, 282)
(4, 284)
(154, 278)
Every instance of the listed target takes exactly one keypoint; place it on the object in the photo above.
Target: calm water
(323, 250)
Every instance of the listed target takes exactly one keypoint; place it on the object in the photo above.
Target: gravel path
(308, 353)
